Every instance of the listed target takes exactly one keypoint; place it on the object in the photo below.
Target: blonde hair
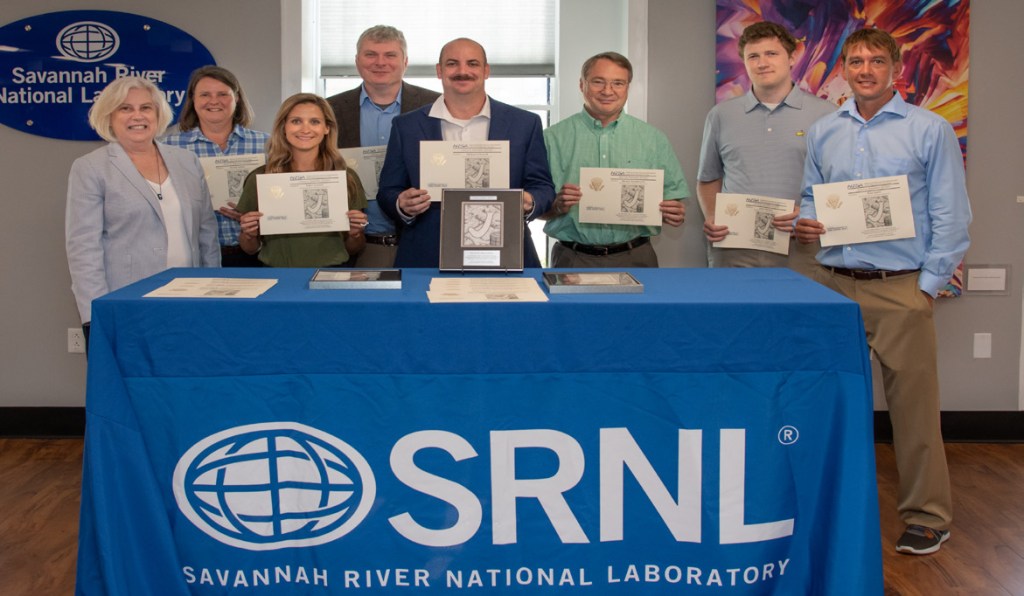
(114, 95)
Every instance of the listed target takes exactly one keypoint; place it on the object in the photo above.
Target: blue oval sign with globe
(52, 66)
(274, 485)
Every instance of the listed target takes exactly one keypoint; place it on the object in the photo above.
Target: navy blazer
(528, 170)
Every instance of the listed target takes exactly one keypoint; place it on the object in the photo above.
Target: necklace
(159, 177)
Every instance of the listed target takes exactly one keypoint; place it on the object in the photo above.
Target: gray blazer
(346, 109)
(114, 227)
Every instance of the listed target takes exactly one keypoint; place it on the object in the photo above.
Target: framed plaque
(481, 229)
(590, 282)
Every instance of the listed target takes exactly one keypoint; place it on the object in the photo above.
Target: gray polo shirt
(757, 151)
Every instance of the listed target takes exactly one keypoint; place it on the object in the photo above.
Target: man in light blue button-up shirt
(895, 281)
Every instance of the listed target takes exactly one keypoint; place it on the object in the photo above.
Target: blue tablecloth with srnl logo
(711, 435)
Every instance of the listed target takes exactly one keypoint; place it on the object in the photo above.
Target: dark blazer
(346, 109)
(528, 170)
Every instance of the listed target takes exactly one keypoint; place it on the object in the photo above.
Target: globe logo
(273, 485)
(87, 41)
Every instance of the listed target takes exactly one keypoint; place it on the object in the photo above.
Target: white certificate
(749, 218)
(212, 287)
(367, 162)
(621, 196)
(485, 289)
(225, 175)
(445, 164)
(302, 202)
(864, 210)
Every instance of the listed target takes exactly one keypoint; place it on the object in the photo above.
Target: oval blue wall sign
(52, 66)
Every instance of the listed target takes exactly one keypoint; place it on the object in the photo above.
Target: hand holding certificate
(445, 164)
(864, 210)
(225, 175)
(367, 162)
(302, 202)
(621, 196)
(749, 218)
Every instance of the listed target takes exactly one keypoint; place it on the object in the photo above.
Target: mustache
(463, 77)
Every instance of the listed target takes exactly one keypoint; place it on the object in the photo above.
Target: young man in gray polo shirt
(756, 144)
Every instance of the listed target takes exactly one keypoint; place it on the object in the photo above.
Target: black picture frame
(481, 229)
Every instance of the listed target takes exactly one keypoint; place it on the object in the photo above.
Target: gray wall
(35, 295)
(681, 80)
(245, 36)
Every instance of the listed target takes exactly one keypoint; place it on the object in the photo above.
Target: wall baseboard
(966, 427)
(957, 427)
(42, 422)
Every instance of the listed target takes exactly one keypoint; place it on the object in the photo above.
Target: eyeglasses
(600, 84)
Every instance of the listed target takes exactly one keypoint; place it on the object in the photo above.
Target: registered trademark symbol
(788, 435)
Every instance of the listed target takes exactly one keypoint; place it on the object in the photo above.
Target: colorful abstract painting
(933, 37)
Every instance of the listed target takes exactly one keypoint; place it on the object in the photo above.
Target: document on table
(749, 218)
(225, 175)
(864, 210)
(367, 162)
(622, 196)
(447, 164)
(302, 202)
(485, 289)
(212, 287)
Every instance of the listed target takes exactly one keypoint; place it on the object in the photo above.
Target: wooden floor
(40, 482)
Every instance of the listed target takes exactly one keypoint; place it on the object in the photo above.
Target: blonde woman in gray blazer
(135, 207)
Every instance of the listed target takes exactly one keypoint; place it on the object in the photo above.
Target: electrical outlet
(76, 341)
(982, 345)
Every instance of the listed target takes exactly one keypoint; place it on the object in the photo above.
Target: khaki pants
(375, 256)
(800, 259)
(901, 332)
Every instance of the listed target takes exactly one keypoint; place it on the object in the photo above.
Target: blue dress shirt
(374, 130)
(900, 139)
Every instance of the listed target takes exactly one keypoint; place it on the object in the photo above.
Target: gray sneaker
(919, 540)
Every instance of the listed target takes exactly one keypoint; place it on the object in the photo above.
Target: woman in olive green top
(304, 139)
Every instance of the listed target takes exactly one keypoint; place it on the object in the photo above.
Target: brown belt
(869, 273)
(603, 250)
(383, 240)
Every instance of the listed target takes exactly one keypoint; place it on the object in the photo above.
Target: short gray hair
(383, 34)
